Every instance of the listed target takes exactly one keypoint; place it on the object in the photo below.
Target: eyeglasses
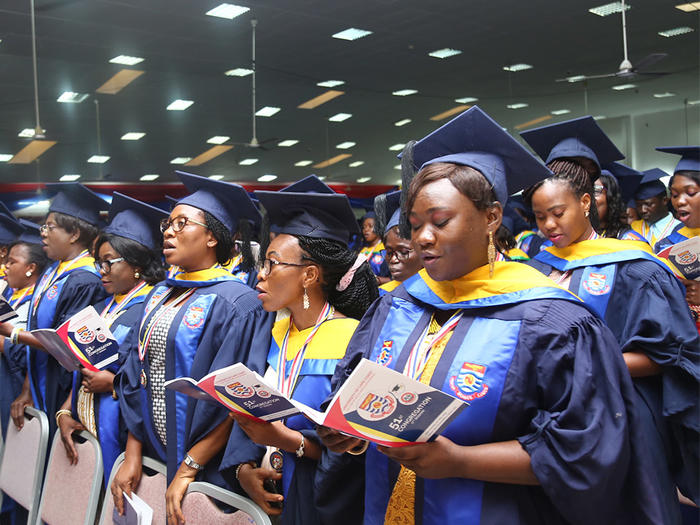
(106, 266)
(598, 190)
(46, 228)
(401, 255)
(178, 224)
(268, 264)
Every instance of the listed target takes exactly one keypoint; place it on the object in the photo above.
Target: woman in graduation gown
(374, 248)
(628, 287)
(129, 263)
(67, 286)
(610, 204)
(547, 435)
(198, 321)
(308, 270)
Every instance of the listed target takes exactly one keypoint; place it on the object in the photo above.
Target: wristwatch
(192, 463)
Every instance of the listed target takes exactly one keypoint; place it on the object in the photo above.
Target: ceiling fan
(626, 70)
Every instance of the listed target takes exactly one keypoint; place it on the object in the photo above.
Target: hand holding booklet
(82, 341)
(136, 512)
(6, 311)
(685, 256)
(375, 403)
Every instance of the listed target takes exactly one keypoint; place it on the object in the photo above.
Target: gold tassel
(491, 252)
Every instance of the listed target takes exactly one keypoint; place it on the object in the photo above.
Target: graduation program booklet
(6, 311)
(136, 512)
(685, 256)
(82, 341)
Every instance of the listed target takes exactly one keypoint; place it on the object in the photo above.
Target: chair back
(71, 493)
(24, 460)
(199, 508)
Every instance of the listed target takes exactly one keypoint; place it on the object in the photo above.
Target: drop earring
(306, 300)
(491, 253)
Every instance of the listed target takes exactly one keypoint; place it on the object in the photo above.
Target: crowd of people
(531, 288)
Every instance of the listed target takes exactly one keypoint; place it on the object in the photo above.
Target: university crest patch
(469, 384)
(385, 355)
(596, 284)
(194, 317)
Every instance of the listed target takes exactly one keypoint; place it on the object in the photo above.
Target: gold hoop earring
(491, 252)
(306, 300)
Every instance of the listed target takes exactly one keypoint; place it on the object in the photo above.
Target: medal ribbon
(647, 230)
(18, 295)
(416, 363)
(234, 263)
(287, 385)
(110, 316)
(146, 339)
(46, 281)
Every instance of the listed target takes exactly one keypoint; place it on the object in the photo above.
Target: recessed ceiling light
(364, 179)
(466, 100)
(71, 97)
(345, 145)
(322, 177)
(331, 83)
(664, 95)
(69, 177)
(352, 34)
(26, 133)
(396, 147)
(248, 162)
(149, 177)
(403, 122)
(355, 164)
(517, 67)
(689, 8)
(404, 92)
(98, 159)
(267, 178)
(303, 163)
(4, 157)
(228, 11)
(561, 111)
(267, 111)
(216, 177)
(676, 31)
(517, 105)
(397, 167)
(288, 143)
(444, 53)
(576, 78)
(126, 60)
(622, 87)
(340, 117)
(599, 117)
(218, 139)
(179, 105)
(608, 9)
(180, 160)
(133, 135)
(693, 102)
(238, 72)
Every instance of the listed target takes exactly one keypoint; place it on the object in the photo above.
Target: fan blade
(649, 61)
(608, 75)
(42, 8)
(653, 74)
(266, 141)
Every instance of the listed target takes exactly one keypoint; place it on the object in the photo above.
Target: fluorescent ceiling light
(267, 178)
(352, 34)
(622, 87)
(517, 67)
(26, 133)
(404, 92)
(216, 177)
(70, 177)
(149, 177)
(322, 177)
(576, 78)
(4, 157)
(71, 97)
(599, 117)
(561, 111)
(180, 160)
(238, 72)
(288, 143)
(126, 60)
(346, 145)
(355, 164)
(218, 139)
(444, 53)
(664, 95)
(133, 135)
(608, 9)
(321, 99)
(228, 11)
(267, 111)
(397, 167)
(179, 105)
(689, 8)
(98, 159)
(247, 162)
(340, 117)
(403, 122)
(364, 179)
(303, 163)
(517, 105)
(693, 102)
(331, 83)
(396, 147)
(466, 100)
(676, 31)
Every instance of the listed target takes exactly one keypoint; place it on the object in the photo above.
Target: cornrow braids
(617, 209)
(224, 244)
(245, 233)
(335, 260)
(380, 219)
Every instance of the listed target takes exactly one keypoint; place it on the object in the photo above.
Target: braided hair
(224, 241)
(617, 208)
(335, 260)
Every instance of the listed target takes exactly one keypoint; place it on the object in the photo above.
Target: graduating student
(628, 287)
(655, 222)
(8, 235)
(198, 321)
(506, 245)
(547, 436)
(612, 189)
(129, 262)
(67, 286)
(374, 248)
(309, 271)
